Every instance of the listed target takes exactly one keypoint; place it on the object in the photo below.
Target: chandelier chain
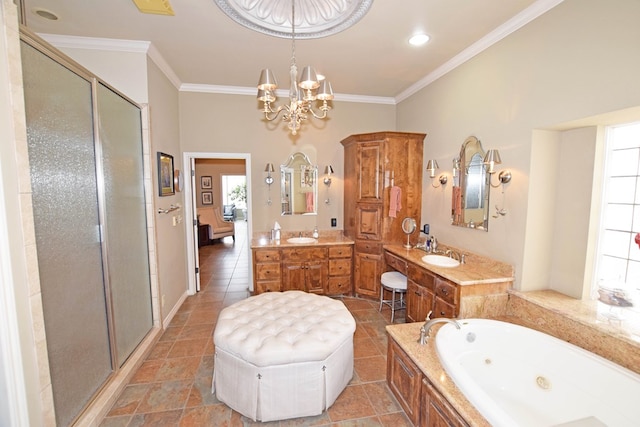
(293, 32)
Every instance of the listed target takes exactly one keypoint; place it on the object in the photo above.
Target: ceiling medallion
(314, 19)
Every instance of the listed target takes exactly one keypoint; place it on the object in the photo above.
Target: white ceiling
(205, 47)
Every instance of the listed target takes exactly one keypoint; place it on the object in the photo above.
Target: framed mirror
(470, 194)
(299, 186)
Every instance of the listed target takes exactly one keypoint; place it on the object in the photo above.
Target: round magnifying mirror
(408, 226)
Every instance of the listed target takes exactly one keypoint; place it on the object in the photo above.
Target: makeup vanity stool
(281, 355)
(396, 283)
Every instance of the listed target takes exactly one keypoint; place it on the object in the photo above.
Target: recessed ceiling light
(419, 39)
(46, 14)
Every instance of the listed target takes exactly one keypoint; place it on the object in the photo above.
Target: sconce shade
(491, 159)
(269, 168)
(432, 165)
(267, 80)
(328, 170)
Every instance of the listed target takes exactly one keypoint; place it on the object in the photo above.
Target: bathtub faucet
(425, 330)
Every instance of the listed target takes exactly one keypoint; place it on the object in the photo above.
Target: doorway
(193, 199)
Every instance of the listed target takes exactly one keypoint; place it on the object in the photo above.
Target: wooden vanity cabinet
(421, 401)
(427, 292)
(340, 270)
(447, 300)
(420, 293)
(325, 269)
(266, 270)
(435, 411)
(373, 163)
(405, 380)
(368, 267)
(305, 269)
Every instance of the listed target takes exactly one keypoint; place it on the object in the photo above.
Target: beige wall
(231, 124)
(170, 239)
(215, 168)
(578, 60)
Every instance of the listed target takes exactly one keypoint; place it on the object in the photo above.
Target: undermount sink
(440, 261)
(301, 240)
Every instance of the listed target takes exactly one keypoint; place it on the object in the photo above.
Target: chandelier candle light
(302, 93)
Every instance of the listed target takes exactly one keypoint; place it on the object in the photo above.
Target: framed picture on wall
(165, 175)
(205, 182)
(207, 198)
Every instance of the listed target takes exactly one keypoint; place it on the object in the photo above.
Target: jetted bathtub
(516, 376)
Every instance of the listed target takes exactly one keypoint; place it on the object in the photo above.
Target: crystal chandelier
(302, 93)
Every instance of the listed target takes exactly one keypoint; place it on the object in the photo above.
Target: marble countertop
(325, 239)
(426, 359)
(476, 270)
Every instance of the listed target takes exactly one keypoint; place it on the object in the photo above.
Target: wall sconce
(269, 170)
(269, 179)
(432, 165)
(456, 167)
(328, 171)
(491, 159)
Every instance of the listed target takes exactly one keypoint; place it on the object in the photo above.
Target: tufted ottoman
(282, 355)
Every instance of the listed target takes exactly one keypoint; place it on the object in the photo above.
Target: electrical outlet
(334, 222)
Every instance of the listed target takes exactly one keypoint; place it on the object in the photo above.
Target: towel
(309, 198)
(456, 202)
(395, 203)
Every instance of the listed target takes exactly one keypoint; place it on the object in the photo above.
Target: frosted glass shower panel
(126, 227)
(60, 138)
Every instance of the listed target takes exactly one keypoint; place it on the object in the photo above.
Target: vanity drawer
(443, 309)
(421, 276)
(446, 291)
(339, 285)
(339, 267)
(304, 254)
(340, 251)
(267, 286)
(396, 263)
(369, 247)
(268, 271)
(266, 255)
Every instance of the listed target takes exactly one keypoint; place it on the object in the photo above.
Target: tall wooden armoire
(373, 164)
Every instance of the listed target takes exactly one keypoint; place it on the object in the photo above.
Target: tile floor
(173, 385)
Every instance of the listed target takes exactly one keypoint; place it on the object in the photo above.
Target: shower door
(85, 156)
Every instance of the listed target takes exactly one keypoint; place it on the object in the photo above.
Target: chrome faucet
(455, 255)
(434, 244)
(425, 330)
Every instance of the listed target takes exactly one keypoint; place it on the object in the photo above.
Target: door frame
(190, 211)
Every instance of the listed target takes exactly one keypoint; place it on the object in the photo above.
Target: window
(231, 194)
(618, 261)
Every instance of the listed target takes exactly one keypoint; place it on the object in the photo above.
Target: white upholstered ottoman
(282, 355)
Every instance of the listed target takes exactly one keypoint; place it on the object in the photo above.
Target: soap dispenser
(315, 232)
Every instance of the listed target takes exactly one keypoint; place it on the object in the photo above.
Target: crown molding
(520, 20)
(79, 42)
(115, 45)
